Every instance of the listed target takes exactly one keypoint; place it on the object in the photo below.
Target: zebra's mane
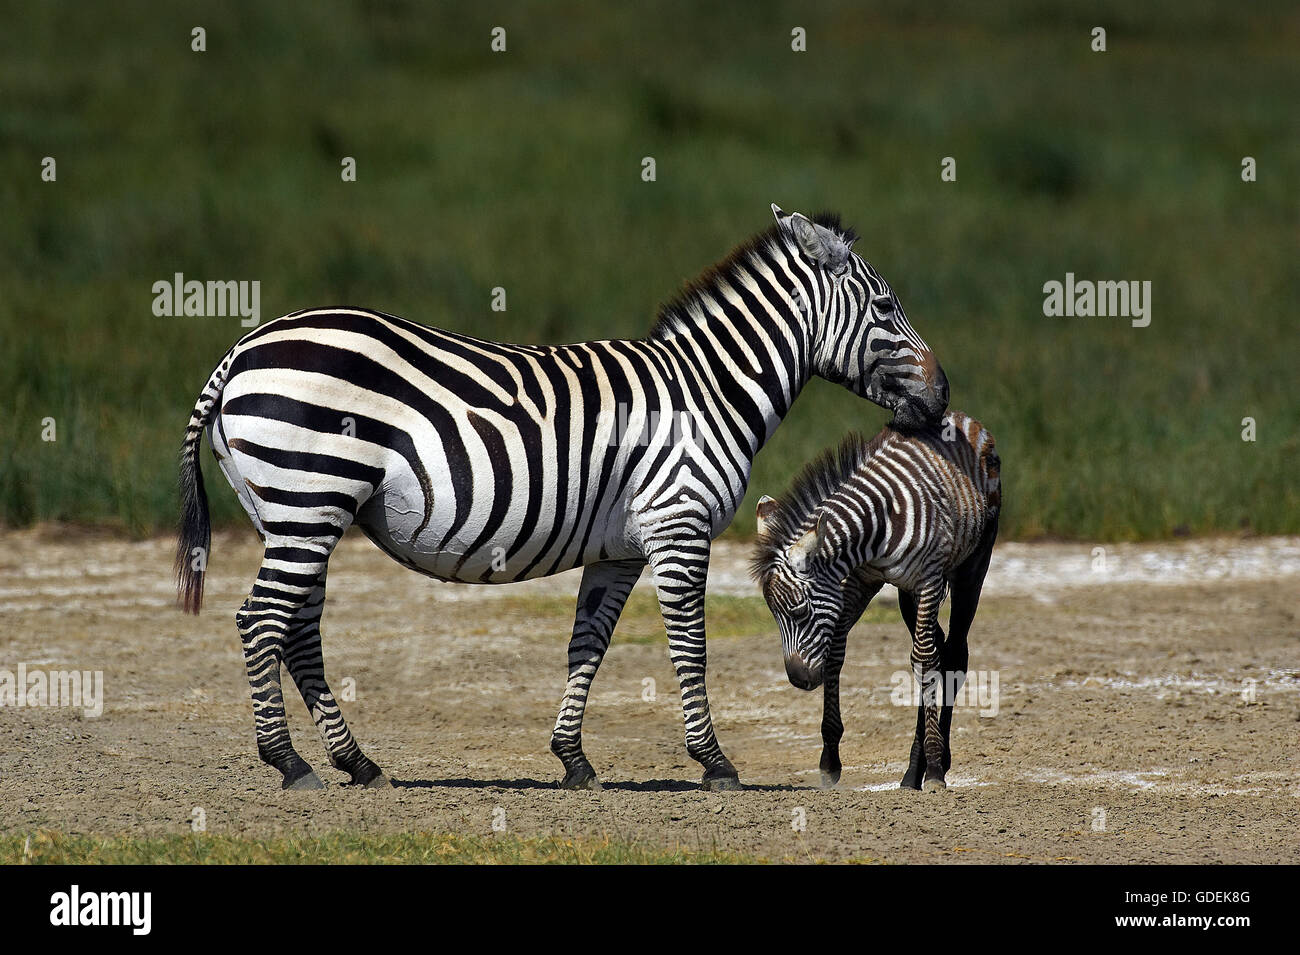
(674, 315)
(819, 479)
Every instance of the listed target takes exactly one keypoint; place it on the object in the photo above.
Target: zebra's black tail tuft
(195, 534)
(196, 528)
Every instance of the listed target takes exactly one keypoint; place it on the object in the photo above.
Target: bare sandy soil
(1146, 712)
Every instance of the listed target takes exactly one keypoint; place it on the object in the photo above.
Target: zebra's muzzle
(922, 405)
(802, 675)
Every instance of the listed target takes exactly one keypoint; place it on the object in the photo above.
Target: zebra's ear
(801, 551)
(766, 508)
(778, 214)
(823, 246)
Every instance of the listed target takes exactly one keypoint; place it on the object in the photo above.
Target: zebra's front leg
(832, 725)
(681, 569)
(604, 591)
(858, 593)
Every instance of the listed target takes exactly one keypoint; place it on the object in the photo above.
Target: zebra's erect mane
(819, 479)
(674, 315)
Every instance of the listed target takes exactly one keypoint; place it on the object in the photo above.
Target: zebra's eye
(800, 610)
(883, 304)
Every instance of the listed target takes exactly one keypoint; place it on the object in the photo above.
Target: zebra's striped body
(918, 510)
(483, 462)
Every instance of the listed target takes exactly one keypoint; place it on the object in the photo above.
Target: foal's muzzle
(802, 675)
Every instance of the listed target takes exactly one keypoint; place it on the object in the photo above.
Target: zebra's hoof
(934, 784)
(308, 780)
(720, 783)
(581, 777)
(367, 774)
(830, 778)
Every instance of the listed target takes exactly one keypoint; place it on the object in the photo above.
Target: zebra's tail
(195, 533)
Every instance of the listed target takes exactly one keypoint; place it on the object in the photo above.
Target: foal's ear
(766, 508)
(801, 552)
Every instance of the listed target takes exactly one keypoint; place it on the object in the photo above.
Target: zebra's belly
(508, 553)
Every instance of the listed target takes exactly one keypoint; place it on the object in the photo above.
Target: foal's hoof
(830, 778)
(934, 784)
(581, 777)
(379, 782)
(308, 780)
(721, 780)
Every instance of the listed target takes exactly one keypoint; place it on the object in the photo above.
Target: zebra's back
(462, 458)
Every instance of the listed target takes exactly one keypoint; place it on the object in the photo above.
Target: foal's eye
(883, 303)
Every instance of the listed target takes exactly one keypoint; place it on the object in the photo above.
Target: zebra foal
(915, 509)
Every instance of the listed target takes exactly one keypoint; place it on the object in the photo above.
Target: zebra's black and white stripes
(483, 462)
(918, 510)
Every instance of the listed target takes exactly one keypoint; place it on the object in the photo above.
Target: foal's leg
(967, 584)
(306, 664)
(604, 591)
(857, 595)
(927, 666)
(918, 761)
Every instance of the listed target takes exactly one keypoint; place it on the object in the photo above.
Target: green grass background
(522, 170)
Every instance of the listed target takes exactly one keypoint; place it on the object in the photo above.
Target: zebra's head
(803, 588)
(861, 336)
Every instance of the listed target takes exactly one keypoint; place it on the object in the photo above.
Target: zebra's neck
(741, 331)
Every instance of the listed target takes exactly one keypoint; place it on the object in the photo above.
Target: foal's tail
(195, 534)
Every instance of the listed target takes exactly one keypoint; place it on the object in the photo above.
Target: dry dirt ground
(1146, 711)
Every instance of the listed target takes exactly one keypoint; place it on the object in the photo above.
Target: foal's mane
(819, 479)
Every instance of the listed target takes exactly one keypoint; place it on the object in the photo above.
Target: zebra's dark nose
(940, 388)
(921, 401)
(802, 675)
(932, 401)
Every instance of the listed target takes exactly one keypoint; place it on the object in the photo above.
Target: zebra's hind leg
(967, 585)
(604, 591)
(304, 656)
(291, 572)
(284, 585)
(916, 759)
(919, 771)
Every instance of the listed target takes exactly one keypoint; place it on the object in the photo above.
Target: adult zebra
(481, 462)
